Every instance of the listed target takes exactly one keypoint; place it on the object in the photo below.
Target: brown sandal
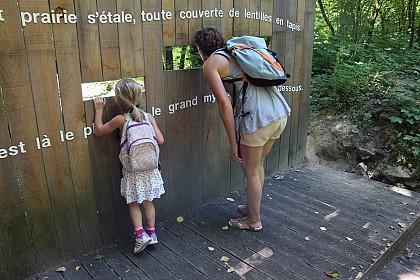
(245, 223)
(243, 209)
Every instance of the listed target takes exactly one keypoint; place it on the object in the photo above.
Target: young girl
(140, 187)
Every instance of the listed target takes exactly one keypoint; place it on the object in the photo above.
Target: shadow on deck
(315, 220)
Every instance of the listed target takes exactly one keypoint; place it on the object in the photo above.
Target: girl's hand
(99, 103)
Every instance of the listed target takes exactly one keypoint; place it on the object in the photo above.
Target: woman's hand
(234, 152)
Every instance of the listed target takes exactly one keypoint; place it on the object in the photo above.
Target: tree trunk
(324, 15)
(411, 21)
(375, 15)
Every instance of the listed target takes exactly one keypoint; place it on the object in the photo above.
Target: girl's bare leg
(150, 213)
(135, 214)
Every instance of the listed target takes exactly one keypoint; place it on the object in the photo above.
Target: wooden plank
(16, 244)
(226, 24)
(241, 24)
(212, 269)
(275, 233)
(201, 242)
(124, 224)
(121, 265)
(252, 17)
(215, 21)
(168, 26)
(130, 40)
(399, 210)
(277, 158)
(174, 152)
(68, 67)
(155, 87)
(286, 53)
(180, 267)
(43, 73)
(259, 259)
(181, 33)
(300, 261)
(146, 262)
(307, 71)
(194, 24)
(297, 80)
(89, 42)
(98, 268)
(350, 215)
(109, 42)
(196, 152)
(101, 173)
(213, 160)
(266, 26)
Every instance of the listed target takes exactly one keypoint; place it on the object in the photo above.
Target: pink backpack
(139, 147)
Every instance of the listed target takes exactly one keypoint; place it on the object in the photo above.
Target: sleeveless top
(261, 105)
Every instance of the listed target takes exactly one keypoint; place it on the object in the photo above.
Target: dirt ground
(340, 143)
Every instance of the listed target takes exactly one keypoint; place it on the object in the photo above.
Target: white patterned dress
(140, 186)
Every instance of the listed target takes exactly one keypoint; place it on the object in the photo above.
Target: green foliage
(367, 68)
(181, 57)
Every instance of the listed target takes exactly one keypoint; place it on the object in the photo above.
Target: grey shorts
(262, 135)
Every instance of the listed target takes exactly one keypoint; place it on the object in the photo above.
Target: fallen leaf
(231, 269)
(359, 275)
(279, 177)
(61, 269)
(225, 227)
(78, 267)
(323, 228)
(180, 219)
(409, 255)
(224, 259)
(99, 257)
(332, 274)
(230, 199)
(211, 249)
(349, 238)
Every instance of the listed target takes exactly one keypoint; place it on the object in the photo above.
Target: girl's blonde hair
(127, 95)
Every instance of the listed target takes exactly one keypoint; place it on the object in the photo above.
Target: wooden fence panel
(266, 26)
(64, 189)
(43, 73)
(181, 25)
(109, 44)
(297, 80)
(102, 179)
(308, 39)
(74, 129)
(131, 48)
(89, 42)
(195, 152)
(155, 89)
(16, 243)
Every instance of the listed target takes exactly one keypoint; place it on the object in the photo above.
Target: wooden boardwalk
(315, 220)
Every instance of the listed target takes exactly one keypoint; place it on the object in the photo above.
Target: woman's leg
(253, 166)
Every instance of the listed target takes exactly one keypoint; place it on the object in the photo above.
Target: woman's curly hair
(208, 40)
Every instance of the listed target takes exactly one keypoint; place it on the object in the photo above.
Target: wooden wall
(59, 187)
